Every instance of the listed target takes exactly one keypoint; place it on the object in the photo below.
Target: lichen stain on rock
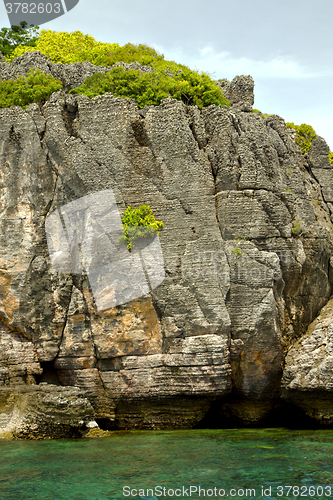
(9, 302)
(131, 329)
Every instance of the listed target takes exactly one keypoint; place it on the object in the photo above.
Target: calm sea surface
(257, 463)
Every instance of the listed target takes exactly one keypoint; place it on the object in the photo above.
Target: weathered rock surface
(247, 247)
(239, 91)
(307, 377)
(44, 411)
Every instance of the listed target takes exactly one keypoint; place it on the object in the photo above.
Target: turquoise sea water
(232, 461)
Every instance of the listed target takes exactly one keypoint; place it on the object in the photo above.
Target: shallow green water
(223, 459)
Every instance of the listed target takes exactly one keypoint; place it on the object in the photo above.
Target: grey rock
(22, 65)
(321, 168)
(307, 377)
(239, 90)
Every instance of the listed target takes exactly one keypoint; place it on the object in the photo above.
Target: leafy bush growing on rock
(304, 137)
(144, 87)
(33, 87)
(139, 223)
(151, 88)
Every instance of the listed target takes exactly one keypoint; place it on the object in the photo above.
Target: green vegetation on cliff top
(168, 78)
(304, 137)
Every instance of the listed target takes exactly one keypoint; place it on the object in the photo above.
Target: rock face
(247, 246)
(307, 378)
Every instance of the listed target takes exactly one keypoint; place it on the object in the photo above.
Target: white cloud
(223, 65)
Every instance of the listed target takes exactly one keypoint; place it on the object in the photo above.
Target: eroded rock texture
(247, 243)
(307, 378)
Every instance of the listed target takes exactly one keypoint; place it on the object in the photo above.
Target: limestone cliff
(247, 246)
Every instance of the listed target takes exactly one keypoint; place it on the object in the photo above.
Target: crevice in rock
(65, 323)
(156, 306)
(186, 209)
(308, 168)
(41, 133)
(195, 136)
(14, 135)
(51, 202)
(140, 133)
(70, 117)
(93, 340)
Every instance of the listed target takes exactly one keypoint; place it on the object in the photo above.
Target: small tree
(10, 38)
(138, 223)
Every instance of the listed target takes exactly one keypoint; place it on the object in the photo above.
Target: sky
(285, 45)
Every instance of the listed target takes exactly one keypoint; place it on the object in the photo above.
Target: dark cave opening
(283, 415)
(49, 375)
(106, 424)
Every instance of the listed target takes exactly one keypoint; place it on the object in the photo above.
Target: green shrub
(67, 48)
(263, 115)
(304, 137)
(151, 88)
(237, 251)
(33, 87)
(138, 223)
(129, 53)
(141, 86)
(10, 38)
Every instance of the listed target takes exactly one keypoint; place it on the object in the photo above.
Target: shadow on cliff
(283, 414)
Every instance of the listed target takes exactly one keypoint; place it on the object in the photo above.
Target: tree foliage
(32, 87)
(139, 223)
(67, 48)
(151, 88)
(304, 137)
(18, 36)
